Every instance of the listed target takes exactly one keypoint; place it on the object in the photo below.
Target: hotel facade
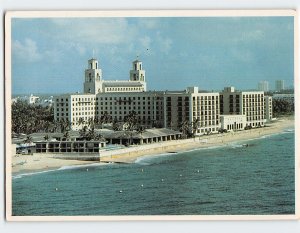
(247, 103)
(201, 111)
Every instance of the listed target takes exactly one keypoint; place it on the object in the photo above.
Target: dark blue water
(259, 179)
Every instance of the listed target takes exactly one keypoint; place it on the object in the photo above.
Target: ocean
(230, 180)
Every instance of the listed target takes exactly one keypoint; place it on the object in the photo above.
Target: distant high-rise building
(263, 86)
(279, 85)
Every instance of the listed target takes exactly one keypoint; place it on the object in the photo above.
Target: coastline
(22, 164)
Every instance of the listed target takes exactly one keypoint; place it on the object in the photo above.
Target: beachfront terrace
(69, 146)
(146, 137)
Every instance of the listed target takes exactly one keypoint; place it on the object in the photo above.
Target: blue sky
(49, 55)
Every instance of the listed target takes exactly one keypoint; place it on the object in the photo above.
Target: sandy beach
(37, 162)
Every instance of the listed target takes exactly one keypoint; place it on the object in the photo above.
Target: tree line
(28, 118)
(283, 107)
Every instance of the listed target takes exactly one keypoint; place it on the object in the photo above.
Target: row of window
(57, 114)
(207, 130)
(253, 96)
(254, 118)
(127, 102)
(76, 99)
(124, 98)
(83, 113)
(124, 89)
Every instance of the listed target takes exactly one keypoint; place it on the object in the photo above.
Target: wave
(291, 130)
(18, 176)
(205, 148)
(145, 160)
(81, 166)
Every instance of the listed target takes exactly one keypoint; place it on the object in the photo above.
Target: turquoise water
(258, 179)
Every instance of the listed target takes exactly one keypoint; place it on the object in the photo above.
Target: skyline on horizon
(50, 53)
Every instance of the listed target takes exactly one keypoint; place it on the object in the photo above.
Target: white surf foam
(18, 176)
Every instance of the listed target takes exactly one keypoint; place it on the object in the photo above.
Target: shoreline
(22, 164)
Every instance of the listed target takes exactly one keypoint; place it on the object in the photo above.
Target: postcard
(151, 115)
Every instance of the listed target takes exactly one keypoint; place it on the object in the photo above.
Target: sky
(49, 55)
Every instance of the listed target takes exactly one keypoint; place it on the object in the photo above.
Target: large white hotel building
(210, 111)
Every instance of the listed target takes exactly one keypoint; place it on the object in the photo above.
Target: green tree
(28, 139)
(28, 118)
(80, 121)
(195, 126)
(83, 132)
(282, 107)
(67, 135)
(117, 126)
(46, 137)
(91, 134)
(186, 128)
(131, 121)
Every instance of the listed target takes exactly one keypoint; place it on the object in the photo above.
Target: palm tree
(195, 126)
(91, 134)
(46, 137)
(83, 132)
(141, 130)
(131, 121)
(68, 125)
(117, 126)
(28, 139)
(185, 128)
(62, 125)
(106, 118)
(80, 121)
(67, 135)
(55, 126)
(99, 137)
(91, 122)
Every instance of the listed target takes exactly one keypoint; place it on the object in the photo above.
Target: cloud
(53, 55)
(78, 47)
(164, 43)
(145, 42)
(26, 51)
(242, 55)
(94, 30)
(137, 35)
(149, 23)
(249, 36)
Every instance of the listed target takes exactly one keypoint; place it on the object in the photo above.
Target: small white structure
(32, 99)
(233, 122)
(268, 108)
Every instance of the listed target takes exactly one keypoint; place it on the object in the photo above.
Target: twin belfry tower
(94, 83)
